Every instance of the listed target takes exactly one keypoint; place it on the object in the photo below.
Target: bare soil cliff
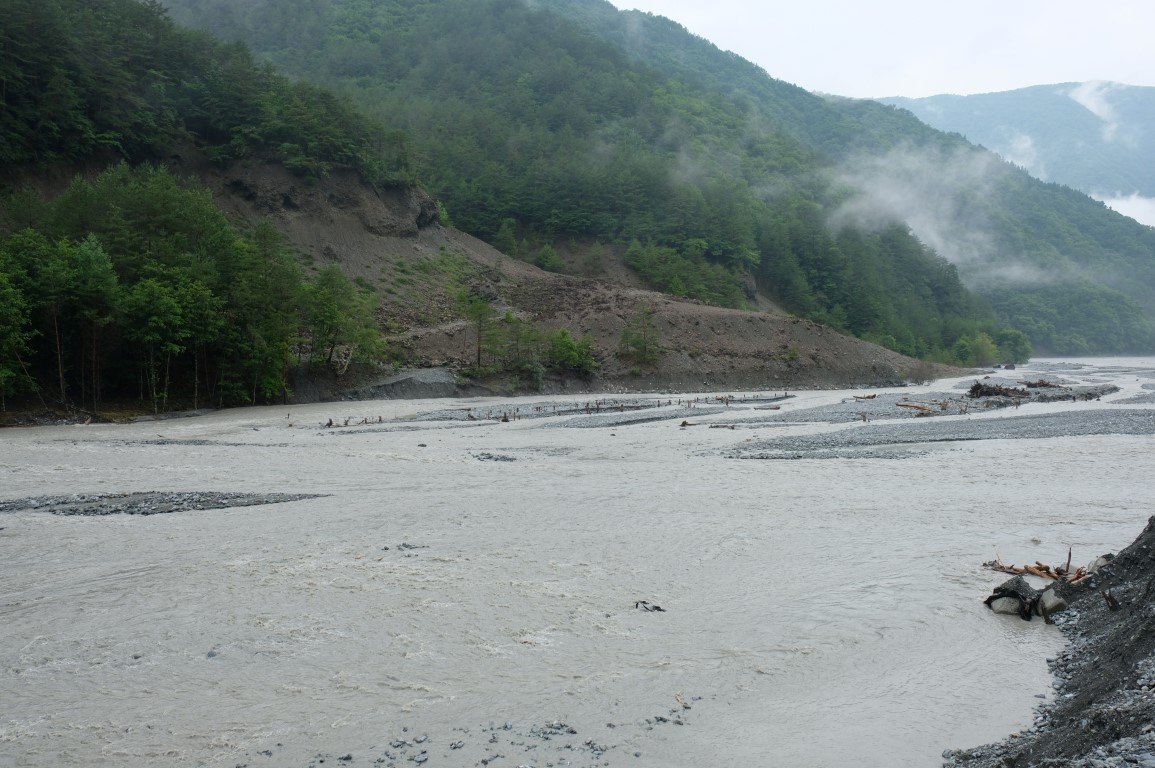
(392, 241)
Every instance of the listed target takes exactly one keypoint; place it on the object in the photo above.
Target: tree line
(100, 79)
(134, 285)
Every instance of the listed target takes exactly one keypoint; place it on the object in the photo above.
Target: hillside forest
(571, 119)
(533, 127)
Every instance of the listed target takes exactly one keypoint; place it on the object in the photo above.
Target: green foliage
(533, 124)
(639, 341)
(1076, 318)
(97, 78)
(979, 350)
(513, 345)
(443, 215)
(1014, 346)
(15, 333)
(134, 284)
(480, 314)
(686, 272)
(506, 238)
(984, 350)
(339, 318)
(564, 352)
(548, 260)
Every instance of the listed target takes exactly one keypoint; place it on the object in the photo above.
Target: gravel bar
(1124, 421)
(143, 504)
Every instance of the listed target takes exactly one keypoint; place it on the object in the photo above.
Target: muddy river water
(466, 591)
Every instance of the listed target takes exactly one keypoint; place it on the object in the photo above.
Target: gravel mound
(621, 419)
(155, 503)
(1033, 427)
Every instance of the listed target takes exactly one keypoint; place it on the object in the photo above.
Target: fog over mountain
(1096, 136)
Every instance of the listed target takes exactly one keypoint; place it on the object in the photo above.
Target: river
(466, 591)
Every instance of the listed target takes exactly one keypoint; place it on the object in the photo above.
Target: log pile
(1060, 573)
(978, 389)
(930, 408)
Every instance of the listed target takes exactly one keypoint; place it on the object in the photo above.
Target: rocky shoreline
(1103, 711)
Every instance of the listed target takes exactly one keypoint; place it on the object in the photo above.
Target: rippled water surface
(818, 612)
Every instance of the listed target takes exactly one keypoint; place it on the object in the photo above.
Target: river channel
(467, 591)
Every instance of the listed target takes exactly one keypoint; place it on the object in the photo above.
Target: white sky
(875, 48)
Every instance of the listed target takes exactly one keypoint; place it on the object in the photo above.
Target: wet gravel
(144, 504)
(668, 407)
(548, 744)
(858, 441)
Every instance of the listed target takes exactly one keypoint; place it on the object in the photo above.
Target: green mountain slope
(1096, 137)
(569, 120)
(1078, 277)
(534, 131)
(133, 283)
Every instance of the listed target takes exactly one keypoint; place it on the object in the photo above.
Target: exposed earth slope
(392, 241)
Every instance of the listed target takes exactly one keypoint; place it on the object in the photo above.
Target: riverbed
(465, 585)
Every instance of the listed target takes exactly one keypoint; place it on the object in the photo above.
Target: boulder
(1016, 591)
(1050, 603)
(1010, 606)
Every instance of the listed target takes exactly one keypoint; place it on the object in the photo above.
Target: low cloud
(1020, 149)
(941, 196)
(1139, 208)
(1094, 96)
(926, 190)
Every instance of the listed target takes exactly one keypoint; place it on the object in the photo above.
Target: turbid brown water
(467, 590)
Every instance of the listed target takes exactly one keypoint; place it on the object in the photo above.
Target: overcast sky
(925, 47)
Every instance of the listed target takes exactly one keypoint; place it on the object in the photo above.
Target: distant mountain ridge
(1097, 137)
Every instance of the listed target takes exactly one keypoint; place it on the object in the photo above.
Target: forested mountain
(533, 130)
(133, 281)
(569, 120)
(554, 128)
(1097, 137)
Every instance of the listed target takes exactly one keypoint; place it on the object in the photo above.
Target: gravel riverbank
(870, 439)
(1103, 712)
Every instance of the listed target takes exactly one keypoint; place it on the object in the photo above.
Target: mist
(1138, 207)
(938, 195)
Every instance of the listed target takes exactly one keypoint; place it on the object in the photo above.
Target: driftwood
(978, 389)
(1041, 384)
(865, 397)
(767, 407)
(1042, 570)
